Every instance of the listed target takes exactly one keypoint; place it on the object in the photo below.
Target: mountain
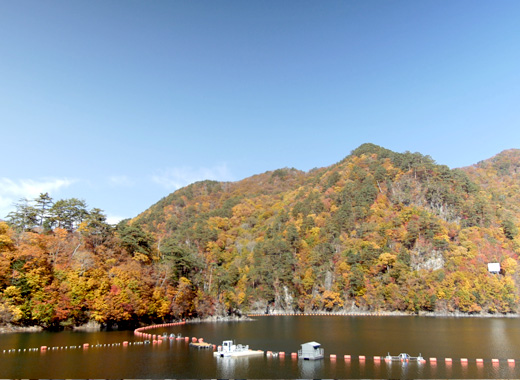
(379, 230)
(500, 177)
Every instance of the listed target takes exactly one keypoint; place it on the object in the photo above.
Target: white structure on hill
(494, 268)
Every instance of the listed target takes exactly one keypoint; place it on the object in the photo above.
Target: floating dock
(201, 345)
(311, 351)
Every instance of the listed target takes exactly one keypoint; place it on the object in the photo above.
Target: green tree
(136, 241)
(25, 216)
(95, 228)
(68, 213)
(43, 206)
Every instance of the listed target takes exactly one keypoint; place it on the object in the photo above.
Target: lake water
(455, 338)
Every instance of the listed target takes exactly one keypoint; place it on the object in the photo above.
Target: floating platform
(228, 349)
(238, 353)
(202, 345)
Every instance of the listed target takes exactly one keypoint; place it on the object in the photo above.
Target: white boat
(228, 349)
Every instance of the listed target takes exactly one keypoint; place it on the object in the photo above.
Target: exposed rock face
(288, 298)
(426, 258)
(90, 326)
(328, 280)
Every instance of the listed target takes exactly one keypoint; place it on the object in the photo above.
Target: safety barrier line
(157, 339)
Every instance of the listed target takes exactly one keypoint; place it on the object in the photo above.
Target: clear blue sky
(120, 102)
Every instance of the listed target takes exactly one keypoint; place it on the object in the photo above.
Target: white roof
(313, 344)
(494, 267)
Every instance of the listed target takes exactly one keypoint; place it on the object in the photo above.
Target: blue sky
(120, 103)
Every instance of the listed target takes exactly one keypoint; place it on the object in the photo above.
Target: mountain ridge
(322, 233)
(379, 232)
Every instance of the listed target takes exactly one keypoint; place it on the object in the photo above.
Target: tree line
(378, 231)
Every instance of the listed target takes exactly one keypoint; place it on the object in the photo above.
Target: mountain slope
(500, 176)
(379, 230)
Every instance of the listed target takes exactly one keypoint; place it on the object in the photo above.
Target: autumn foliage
(378, 231)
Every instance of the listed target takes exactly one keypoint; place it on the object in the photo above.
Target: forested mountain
(378, 231)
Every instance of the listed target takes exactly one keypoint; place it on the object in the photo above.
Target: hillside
(500, 177)
(379, 230)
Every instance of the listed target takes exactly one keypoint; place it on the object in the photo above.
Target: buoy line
(143, 332)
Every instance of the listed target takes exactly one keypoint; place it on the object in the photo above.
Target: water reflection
(310, 369)
(485, 338)
(230, 367)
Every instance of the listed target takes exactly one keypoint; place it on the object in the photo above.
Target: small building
(494, 268)
(311, 351)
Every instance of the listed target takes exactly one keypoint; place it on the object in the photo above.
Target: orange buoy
(480, 361)
(464, 360)
(377, 358)
(494, 361)
(86, 345)
(43, 348)
(448, 360)
(346, 357)
(511, 361)
(361, 357)
(333, 356)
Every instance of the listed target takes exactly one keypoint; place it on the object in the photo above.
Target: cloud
(121, 180)
(13, 190)
(175, 178)
(114, 219)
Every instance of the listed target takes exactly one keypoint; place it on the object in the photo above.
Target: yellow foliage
(387, 259)
(510, 266)
(331, 300)
(13, 293)
(140, 257)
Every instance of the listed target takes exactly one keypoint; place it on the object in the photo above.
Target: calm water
(457, 338)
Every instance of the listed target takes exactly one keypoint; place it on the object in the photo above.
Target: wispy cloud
(13, 190)
(121, 180)
(175, 178)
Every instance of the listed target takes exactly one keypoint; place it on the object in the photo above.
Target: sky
(120, 103)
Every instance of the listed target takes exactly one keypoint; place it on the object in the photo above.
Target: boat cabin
(228, 346)
(311, 351)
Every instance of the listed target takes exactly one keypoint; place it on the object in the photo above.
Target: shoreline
(93, 326)
(359, 313)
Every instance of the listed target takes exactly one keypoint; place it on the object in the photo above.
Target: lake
(455, 338)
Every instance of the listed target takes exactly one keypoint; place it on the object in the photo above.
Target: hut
(311, 351)
(494, 268)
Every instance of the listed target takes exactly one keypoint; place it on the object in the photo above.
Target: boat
(228, 349)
